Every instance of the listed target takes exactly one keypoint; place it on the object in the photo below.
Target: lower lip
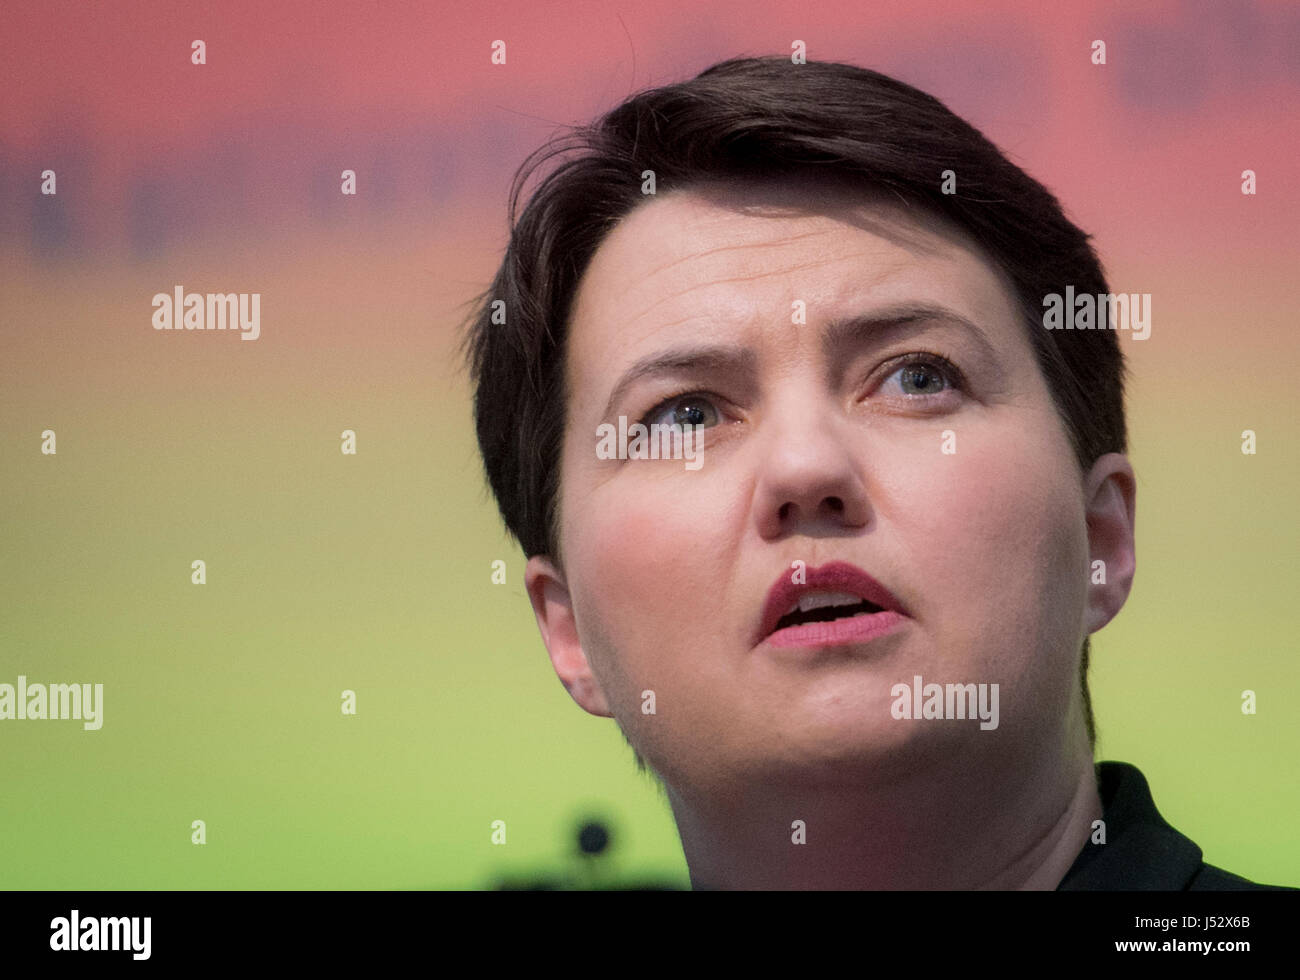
(838, 632)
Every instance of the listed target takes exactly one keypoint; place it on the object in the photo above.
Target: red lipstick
(804, 614)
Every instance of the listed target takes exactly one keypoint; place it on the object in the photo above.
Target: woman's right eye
(683, 410)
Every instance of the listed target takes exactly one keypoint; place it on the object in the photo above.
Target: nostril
(784, 512)
(835, 504)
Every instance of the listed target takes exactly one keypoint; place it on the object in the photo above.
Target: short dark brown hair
(763, 118)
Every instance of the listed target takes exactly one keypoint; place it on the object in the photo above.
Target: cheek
(997, 534)
(647, 560)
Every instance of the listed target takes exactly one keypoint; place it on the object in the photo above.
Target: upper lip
(837, 576)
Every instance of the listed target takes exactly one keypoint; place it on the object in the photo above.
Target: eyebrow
(842, 334)
(710, 359)
(839, 337)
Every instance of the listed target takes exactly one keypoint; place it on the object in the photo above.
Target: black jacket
(1142, 852)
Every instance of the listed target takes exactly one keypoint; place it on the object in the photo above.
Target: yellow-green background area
(372, 573)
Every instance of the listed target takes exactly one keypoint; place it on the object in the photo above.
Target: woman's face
(804, 341)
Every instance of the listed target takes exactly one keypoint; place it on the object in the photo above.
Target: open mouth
(825, 608)
(837, 604)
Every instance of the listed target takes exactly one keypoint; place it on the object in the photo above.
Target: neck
(1004, 822)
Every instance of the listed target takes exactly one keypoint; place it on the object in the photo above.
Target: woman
(852, 641)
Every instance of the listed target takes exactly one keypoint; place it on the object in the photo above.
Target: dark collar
(1142, 852)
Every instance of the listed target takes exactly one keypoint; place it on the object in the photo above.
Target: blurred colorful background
(373, 572)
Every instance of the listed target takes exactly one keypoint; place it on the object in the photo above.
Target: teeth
(819, 600)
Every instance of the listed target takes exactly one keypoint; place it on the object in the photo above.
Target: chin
(833, 750)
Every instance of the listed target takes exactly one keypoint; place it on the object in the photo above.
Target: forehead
(725, 260)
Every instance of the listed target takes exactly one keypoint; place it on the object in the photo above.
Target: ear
(553, 607)
(1110, 498)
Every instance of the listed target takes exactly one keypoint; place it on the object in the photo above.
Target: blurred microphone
(588, 868)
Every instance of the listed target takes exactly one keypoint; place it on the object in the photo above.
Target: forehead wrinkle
(736, 247)
(816, 263)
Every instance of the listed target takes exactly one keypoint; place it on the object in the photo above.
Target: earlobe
(553, 607)
(1111, 501)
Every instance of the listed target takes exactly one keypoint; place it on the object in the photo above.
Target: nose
(809, 480)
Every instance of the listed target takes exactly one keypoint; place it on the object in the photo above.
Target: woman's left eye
(922, 376)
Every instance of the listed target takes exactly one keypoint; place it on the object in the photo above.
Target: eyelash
(655, 412)
(929, 358)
